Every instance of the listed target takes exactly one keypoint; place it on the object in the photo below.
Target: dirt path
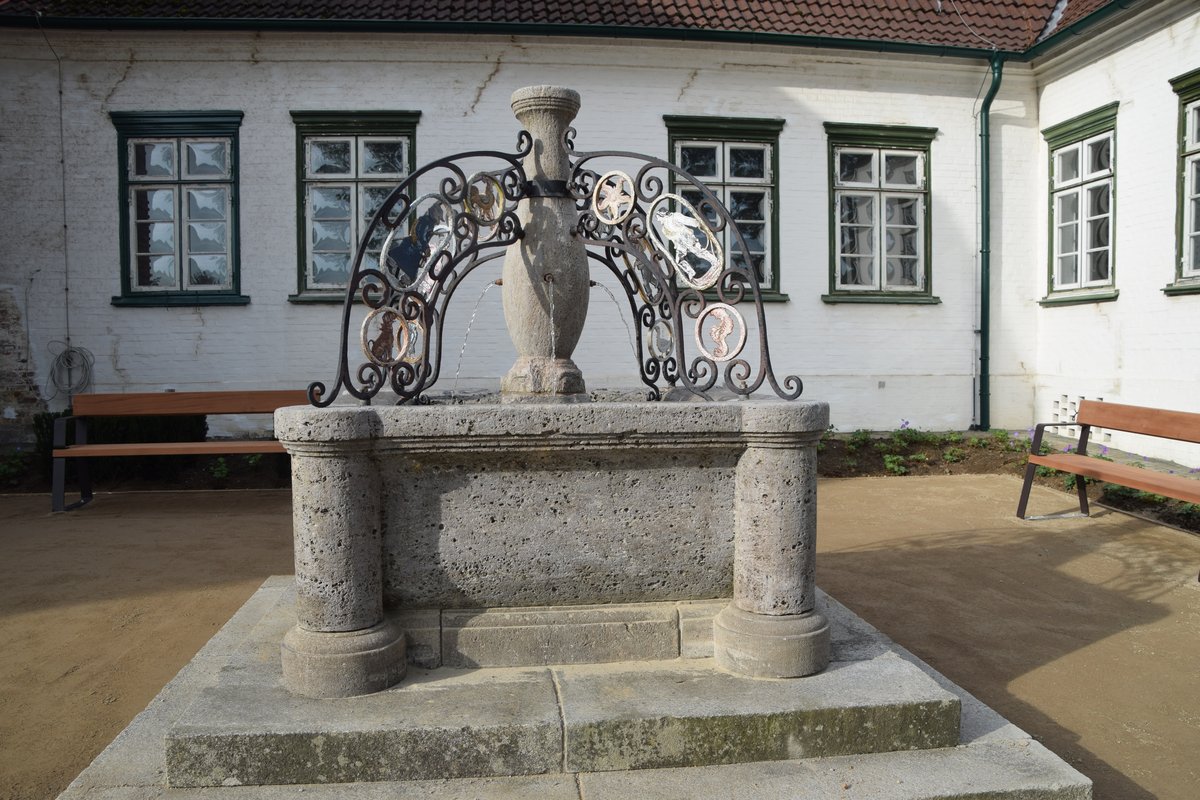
(1086, 633)
(100, 608)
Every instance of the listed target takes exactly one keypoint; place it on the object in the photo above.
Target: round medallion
(613, 198)
(385, 337)
(725, 336)
(685, 239)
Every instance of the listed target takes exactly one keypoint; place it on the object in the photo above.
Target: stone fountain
(550, 596)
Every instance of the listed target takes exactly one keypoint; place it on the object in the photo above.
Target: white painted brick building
(878, 363)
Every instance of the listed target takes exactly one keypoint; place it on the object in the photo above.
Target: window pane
(857, 272)
(900, 170)
(1068, 239)
(330, 268)
(154, 160)
(155, 271)
(748, 205)
(901, 211)
(1100, 155)
(901, 242)
(1068, 207)
(206, 204)
(1098, 266)
(858, 240)
(1193, 126)
(1066, 165)
(371, 199)
(1196, 253)
(154, 204)
(331, 236)
(856, 167)
(758, 263)
(747, 163)
(857, 209)
(1098, 200)
(1097, 233)
(383, 157)
(329, 157)
(206, 159)
(1068, 270)
(155, 237)
(330, 202)
(700, 204)
(753, 236)
(206, 237)
(208, 270)
(1195, 215)
(700, 161)
(903, 273)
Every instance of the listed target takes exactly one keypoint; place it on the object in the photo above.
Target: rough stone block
(696, 626)
(640, 718)
(454, 726)
(559, 635)
(422, 635)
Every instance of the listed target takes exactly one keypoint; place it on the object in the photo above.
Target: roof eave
(507, 29)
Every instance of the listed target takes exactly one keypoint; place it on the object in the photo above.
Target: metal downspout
(985, 242)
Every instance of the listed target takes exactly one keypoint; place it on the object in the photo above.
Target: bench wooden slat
(1179, 425)
(217, 447)
(1178, 486)
(171, 403)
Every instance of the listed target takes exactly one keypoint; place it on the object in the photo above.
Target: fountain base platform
(877, 720)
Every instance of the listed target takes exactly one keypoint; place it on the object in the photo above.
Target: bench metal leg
(83, 472)
(1030, 471)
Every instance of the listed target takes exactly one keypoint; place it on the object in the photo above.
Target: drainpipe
(985, 242)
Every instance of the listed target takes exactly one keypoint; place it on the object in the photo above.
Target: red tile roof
(1007, 25)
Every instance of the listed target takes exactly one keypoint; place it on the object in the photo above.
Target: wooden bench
(1179, 425)
(85, 406)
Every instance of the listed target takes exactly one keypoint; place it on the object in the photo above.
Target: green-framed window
(879, 222)
(347, 162)
(738, 160)
(1082, 207)
(178, 183)
(1187, 261)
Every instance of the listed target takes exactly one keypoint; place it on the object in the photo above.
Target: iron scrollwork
(682, 285)
(415, 252)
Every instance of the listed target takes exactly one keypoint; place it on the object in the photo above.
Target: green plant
(953, 437)
(219, 469)
(895, 464)
(918, 458)
(857, 440)
(953, 454)
(252, 459)
(14, 466)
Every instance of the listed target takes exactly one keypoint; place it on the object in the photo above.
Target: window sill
(1185, 286)
(165, 299)
(883, 299)
(768, 296)
(1104, 296)
(323, 298)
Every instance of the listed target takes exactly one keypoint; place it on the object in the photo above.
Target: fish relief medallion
(726, 332)
(686, 240)
(613, 198)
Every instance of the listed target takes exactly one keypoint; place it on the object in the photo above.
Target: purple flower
(903, 424)
(1068, 448)
(1104, 450)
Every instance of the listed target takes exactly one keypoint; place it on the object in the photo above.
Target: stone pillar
(341, 645)
(545, 274)
(772, 629)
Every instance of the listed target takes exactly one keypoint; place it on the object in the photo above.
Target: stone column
(772, 629)
(341, 645)
(545, 274)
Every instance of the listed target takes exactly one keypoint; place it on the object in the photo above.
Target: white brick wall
(1142, 348)
(876, 365)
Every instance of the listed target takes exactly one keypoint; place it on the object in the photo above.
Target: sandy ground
(1084, 632)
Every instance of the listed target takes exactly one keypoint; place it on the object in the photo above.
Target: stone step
(992, 759)
(456, 723)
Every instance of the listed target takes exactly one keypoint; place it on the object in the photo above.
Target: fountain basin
(401, 508)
